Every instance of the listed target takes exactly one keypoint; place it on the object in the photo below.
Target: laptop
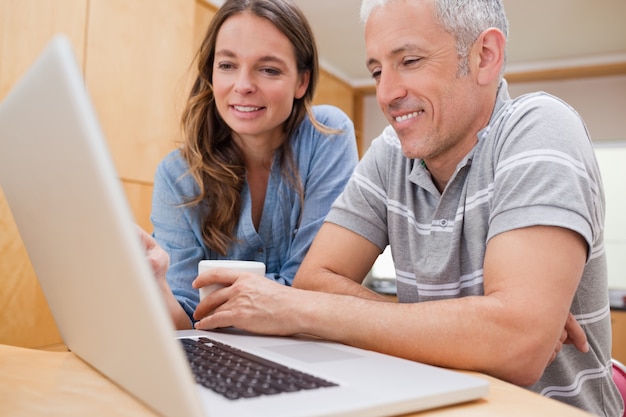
(63, 190)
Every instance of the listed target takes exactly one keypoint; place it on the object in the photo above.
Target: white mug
(242, 266)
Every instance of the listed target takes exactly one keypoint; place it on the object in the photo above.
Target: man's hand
(250, 302)
(573, 334)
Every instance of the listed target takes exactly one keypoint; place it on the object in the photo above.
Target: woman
(259, 166)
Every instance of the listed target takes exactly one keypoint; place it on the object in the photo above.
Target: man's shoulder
(542, 103)
(535, 114)
(389, 139)
(385, 154)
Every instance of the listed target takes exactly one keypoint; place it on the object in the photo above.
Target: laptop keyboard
(236, 374)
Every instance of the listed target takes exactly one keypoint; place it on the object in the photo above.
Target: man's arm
(530, 277)
(339, 271)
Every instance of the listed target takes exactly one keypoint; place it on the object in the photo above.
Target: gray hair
(464, 19)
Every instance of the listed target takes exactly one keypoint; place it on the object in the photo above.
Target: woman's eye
(225, 65)
(271, 71)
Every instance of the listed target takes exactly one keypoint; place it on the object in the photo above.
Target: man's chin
(411, 150)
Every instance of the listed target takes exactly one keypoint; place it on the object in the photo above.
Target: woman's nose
(244, 83)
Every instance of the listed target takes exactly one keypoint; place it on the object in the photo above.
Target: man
(493, 209)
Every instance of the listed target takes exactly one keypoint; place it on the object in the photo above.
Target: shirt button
(260, 250)
(443, 222)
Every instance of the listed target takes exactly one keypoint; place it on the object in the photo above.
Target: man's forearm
(335, 284)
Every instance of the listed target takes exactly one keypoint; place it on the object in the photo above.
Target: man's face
(415, 65)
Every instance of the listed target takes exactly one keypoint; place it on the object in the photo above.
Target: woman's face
(255, 79)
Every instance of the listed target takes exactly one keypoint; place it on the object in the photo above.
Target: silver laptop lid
(53, 160)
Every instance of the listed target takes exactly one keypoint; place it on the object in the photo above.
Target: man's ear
(489, 49)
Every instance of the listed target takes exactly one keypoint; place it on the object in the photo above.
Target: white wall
(373, 120)
(602, 104)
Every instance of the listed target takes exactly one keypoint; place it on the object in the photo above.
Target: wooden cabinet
(138, 54)
(618, 325)
(137, 57)
(332, 90)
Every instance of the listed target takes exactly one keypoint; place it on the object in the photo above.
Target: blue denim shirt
(324, 162)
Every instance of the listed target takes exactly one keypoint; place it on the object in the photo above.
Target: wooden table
(58, 383)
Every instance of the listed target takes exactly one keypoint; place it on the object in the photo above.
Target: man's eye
(411, 61)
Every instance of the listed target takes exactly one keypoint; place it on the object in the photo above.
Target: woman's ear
(490, 49)
(303, 85)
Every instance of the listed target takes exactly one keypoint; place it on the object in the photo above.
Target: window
(611, 157)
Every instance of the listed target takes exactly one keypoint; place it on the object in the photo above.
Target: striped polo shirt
(533, 164)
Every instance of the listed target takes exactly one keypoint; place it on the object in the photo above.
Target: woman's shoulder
(341, 128)
(309, 140)
(173, 164)
(331, 116)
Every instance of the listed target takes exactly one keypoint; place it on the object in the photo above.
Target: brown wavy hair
(215, 160)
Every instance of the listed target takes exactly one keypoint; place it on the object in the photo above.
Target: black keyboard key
(236, 374)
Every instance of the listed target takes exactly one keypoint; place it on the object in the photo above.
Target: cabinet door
(135, 69)
(332, 90)
(618, 324)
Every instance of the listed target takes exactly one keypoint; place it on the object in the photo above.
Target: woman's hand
(158, 258)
